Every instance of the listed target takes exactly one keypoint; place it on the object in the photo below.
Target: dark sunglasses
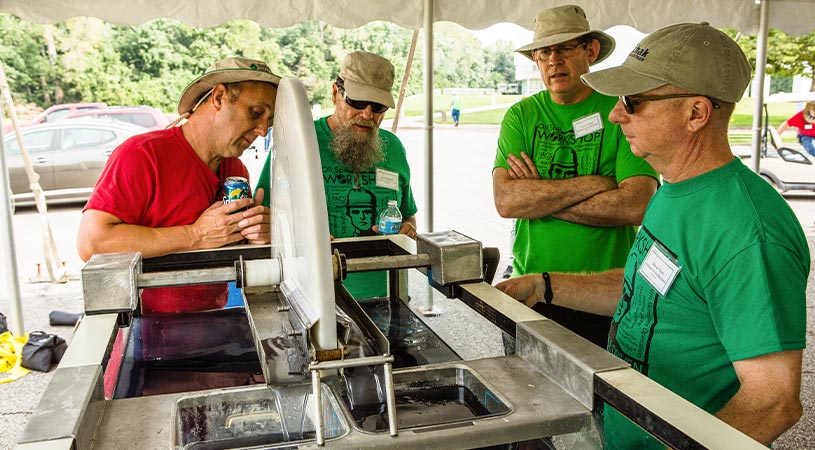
(376, 108)
(629, 101)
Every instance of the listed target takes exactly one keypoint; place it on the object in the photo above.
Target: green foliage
(86, 59)
(787, 55)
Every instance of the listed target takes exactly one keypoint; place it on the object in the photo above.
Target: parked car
(68, 156)
(56, 112)
(143, 116)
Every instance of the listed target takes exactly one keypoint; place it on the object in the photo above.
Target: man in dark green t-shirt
(711, 303)
(364, 166)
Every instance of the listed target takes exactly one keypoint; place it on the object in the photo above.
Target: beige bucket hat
(229, 70)
(692, 56)
(564, 23)
(368, 77)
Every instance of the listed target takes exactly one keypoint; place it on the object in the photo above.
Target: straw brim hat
(562, 24)
(230, 70)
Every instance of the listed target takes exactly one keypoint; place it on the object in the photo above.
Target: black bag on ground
(41, 350)
(3, 325)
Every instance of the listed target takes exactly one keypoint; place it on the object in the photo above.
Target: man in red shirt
(804, 121)
(161, 191)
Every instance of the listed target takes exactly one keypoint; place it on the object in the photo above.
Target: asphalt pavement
(463, 202)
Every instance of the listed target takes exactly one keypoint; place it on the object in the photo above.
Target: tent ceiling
(791, 16)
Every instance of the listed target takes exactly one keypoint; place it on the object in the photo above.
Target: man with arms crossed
(712, 300)
(565, 172)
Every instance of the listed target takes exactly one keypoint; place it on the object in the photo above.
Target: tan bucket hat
(229, 70)
(694, 57)
(564, 23)
(368, 77)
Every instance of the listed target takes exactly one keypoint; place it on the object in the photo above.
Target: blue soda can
(235, 188)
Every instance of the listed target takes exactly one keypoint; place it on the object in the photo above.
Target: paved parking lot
(463, 201)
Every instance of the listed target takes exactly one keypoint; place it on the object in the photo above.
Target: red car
(56, 112)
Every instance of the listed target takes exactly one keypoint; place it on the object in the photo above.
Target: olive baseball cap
(368, 77)
(694, 57)
(229, 70)
(562, 24)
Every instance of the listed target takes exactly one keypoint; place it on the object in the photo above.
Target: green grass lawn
(414, 105)
(742, 116)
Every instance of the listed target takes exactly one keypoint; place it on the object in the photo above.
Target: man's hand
(218, 225)
(522, 167)
(527, 289)
(256, 224)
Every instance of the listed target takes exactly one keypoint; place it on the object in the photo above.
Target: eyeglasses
(629, 101)
(564, 51)
(376, 108)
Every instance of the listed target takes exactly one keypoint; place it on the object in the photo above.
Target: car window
(142, 119)
(86, 137)
(35, 142)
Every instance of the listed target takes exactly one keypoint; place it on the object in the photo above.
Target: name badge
(387, 179)
(587, 125)
(659, 268)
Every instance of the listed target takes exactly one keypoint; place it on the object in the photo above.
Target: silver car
(67, 155)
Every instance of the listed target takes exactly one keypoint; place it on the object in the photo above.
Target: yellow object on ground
(11, 357)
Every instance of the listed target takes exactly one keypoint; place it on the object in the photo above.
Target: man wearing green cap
(359, 158)
(161, 191)
(712, 300)
(565, 172)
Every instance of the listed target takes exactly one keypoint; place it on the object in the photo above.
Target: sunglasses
(376, 108)
(629, 101)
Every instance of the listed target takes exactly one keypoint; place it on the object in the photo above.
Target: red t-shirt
(156, 180)
(804, 127)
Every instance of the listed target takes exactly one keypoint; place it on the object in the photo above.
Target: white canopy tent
(752, 17)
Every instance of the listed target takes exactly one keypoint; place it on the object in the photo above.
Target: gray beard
(357, 151)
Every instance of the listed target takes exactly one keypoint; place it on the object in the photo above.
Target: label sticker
(387, 179)
(587, 125)
(659, 269)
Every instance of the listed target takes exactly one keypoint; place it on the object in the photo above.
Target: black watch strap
(547, 293)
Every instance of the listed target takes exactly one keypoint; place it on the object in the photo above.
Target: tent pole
(428, 113)
(758, 83)
(405, 78)
(7, 234)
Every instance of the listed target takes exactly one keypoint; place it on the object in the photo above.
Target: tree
(786, 55)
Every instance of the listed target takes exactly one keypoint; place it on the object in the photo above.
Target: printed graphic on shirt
(353, 201)
(558, 154)
(632, 327)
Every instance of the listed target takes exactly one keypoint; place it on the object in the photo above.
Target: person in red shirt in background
(161, 191)
(804, 121)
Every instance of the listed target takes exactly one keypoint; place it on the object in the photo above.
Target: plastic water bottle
(390, 220)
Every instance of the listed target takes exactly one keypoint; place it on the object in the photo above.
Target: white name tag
(587, 125)
(387, 179)
(659, 269)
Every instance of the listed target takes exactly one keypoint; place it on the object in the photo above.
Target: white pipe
(9, 252)
(758, 83)
(262, 272)
(428, 114)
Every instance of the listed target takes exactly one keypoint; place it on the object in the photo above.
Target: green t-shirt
(455, 103)
(741, 261)
(353, 210)
(545, 131)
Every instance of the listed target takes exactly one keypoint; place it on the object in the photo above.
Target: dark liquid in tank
(427, 406)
